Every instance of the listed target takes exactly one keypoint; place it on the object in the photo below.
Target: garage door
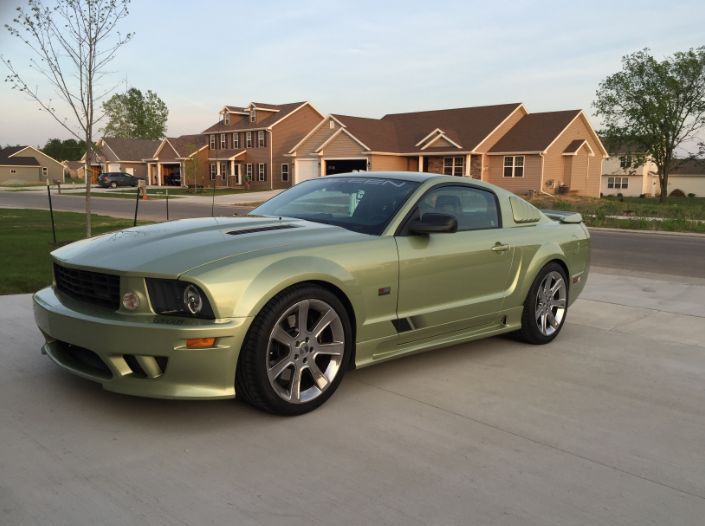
(306, 169)
(341, 166)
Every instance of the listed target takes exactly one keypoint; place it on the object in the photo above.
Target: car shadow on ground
(178, 415)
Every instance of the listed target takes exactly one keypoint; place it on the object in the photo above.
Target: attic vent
(260, 229)
(524, 212)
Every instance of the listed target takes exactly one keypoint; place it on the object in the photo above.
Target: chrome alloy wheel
(551, 300)
(305, 351)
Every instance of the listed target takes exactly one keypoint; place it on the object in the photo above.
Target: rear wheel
(296, 352)
(113, 185)
(545, 307)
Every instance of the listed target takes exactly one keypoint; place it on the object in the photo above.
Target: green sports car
(337, 272)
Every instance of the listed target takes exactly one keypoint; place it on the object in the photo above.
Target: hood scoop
(260, 229)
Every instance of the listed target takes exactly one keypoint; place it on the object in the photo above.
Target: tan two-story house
(248, 146)
(548, 152)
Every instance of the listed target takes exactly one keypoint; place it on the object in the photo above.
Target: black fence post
(137, 206)
(51, 214)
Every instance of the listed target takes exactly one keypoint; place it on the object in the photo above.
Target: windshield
(362, 204)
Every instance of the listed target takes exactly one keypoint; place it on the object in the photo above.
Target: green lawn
(677, 214)
(25, 237)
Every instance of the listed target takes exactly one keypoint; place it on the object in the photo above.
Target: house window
(260, 138)
(514, 166)
(236, 140)
(45, 170)
(223, 141)
(618, 182)
(331, 124)
(248, 171)
(224, 165)
(212, 171)
(226, 118)
(261, 174)
(453, 166)
(212, 143)
(625, 161)
(253, 115)
(248, 139)
(285, 172)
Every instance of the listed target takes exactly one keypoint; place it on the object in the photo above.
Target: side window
(475, 209)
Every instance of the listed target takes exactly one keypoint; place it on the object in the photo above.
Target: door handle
(499, 247)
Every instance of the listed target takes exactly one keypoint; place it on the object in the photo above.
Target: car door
(454, 281)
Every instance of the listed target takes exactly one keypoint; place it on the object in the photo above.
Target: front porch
(459, 165)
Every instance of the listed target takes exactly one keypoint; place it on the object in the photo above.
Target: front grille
(93, 287)
(82, 360)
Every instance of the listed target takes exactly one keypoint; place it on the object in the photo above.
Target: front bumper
(142, 355)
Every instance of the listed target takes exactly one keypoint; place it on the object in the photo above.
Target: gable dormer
(257, 112)
(437, 139)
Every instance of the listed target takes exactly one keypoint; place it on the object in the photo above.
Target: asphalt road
(623, 251)
(606, 425)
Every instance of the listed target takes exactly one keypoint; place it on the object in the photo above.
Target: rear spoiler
(563, 217)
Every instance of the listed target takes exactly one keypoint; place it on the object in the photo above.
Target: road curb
(648, 232)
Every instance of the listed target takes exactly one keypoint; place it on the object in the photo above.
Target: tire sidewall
(529, 326)
(258, 342)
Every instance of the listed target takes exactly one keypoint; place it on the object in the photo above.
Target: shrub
(691, 195)
(677, 193)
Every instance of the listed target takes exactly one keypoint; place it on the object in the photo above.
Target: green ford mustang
(338, 272)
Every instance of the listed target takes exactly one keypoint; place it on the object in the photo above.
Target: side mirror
(432, 223)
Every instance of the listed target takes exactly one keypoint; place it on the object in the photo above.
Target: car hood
(175, 247)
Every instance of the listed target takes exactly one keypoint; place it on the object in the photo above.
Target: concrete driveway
(604, 426)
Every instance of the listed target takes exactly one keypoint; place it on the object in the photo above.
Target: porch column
(159, 174)
(239, 173)
(420, 163)
(323, 167)
(468, 162)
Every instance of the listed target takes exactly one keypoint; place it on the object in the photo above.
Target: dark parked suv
(115, 179)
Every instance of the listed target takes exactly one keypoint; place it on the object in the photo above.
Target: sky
(365, 58)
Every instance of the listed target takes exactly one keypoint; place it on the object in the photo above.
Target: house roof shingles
(132, 149)
(574, 146)
(187, 145)
(535, 131)
(244, 124)
(401, 132)
(694, 167)
(7, 160)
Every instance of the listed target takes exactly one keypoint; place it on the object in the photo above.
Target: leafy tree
(67, 150)
(133, 115)
(655, 107)
(72, 43)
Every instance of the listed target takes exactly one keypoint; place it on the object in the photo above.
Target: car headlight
(178, 298)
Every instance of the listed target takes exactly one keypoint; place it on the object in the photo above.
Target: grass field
(675, 215)
(25, 237)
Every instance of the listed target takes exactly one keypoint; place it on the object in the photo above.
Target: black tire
(252, 382)
(113, 185)
(531, 328)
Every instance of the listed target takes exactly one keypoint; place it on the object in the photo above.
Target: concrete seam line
(647, 232)
(645, 308)
(533, 440)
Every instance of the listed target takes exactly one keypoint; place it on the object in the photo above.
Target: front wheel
(296, 352)
(545, 307)
(113, 185)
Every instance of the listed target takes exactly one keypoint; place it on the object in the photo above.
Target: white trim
(584, 143)
(442, 136)
(38, 151)
(288, 173)
(308, 135)
(514, 167)
(345, 158)
(437, 130)
(305, 103)
(341, 130)
(426, 154)
(515, 153)
(526, 112)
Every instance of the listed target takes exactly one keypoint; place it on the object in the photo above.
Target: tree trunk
(89, 178)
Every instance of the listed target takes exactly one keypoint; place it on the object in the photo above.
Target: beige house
(28, 165)
(249, 144)
(550, 152)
